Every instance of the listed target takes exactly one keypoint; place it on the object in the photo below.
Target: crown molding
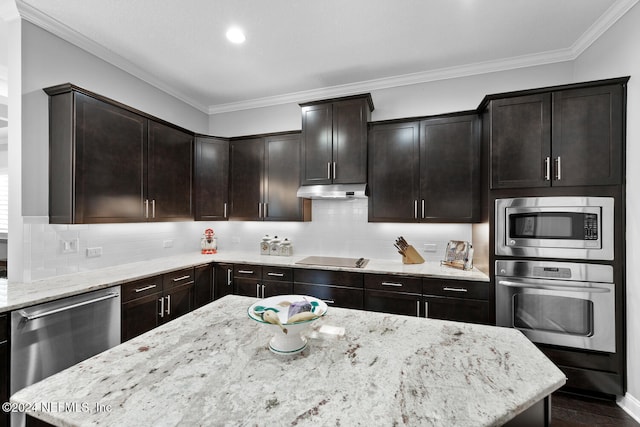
(610, 17)
(61, 30)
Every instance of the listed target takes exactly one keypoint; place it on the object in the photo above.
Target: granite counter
(213, 366)
(14, 296)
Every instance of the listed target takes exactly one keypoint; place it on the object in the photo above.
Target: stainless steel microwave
(555, 227)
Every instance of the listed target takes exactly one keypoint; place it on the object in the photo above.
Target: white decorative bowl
(292, 341)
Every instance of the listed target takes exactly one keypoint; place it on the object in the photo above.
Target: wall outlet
(69, 246)
(430, 247)
(94, 252)
(167, 243)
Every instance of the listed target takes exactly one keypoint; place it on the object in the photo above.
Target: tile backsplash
(339, 228)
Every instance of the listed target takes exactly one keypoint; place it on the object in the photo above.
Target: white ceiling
(299, 50)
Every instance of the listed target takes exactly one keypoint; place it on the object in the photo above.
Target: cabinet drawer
(393, 302)
(177, 278)
(391, 283)
(246, 271)
(328, 277)
(4, 325)
(456, 288)
(334, 296)
(141, 288)
(279, 274)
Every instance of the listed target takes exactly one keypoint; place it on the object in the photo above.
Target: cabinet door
(317, 155)
(282, 178)
(587, 138)
(457, 309)
(350, 141)
(203, 285)
(223, 280)
(177, 302)
(211, 179)
(450, 169)
(521, 141)
(393, 302)
(110, 150)
(247, 171)
(247, 287)
(272, 288)
(334, 296)
(140, 315)
(169, 173)
(394, 172)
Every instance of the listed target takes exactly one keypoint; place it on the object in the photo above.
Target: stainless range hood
(333, 191)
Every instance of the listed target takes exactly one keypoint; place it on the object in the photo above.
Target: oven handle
(555, 288)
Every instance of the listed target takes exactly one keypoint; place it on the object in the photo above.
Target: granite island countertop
(213, 367)
(14, 296)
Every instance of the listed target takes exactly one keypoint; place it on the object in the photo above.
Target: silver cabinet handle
(423, 208)
(168, 305)
(259, 210)
(391, 284)
(266, 210)
(245, 271)
(146, 288)
(229, 277)
(334, 170)
(161, 307)
(547, 169)
(426, 309)
(177, 279)
(153, 208)
(558, 169)
(263, 291)
(257, 290)
(276, 274)
(224, 210)
(415, 209)
(146, 208)
(34, 316)
(418, 308)
(328, 301)
(328, 170)
(446, 288)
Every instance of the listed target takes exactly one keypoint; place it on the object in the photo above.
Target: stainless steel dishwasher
(50, 337)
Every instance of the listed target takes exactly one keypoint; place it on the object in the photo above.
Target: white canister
(274, 246)
(265, 245)
(286, 249)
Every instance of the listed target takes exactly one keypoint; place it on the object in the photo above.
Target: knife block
(411, 256)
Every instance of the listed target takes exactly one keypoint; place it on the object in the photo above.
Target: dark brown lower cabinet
(4, 367)
(458, 300)
(150, 302)
(262, 281)
(336, 288)
(222, 280)
(203, 285)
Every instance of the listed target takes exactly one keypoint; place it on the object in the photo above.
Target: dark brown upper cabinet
(425, 170)
(334, 140)
(211, 179)
(264, 179)
(570, 137)
(109, 163)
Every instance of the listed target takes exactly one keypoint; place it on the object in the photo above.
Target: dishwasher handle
(30, 316)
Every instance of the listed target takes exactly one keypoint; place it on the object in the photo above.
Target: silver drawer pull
(391, 284)
(418, 308)
(276, 274)
(245, 271)
(177, 279)
(454, 289)
(328, 301)
(146, 288)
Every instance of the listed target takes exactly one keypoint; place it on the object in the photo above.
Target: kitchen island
(213, 366)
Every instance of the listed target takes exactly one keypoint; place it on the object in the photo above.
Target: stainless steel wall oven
(559, 303)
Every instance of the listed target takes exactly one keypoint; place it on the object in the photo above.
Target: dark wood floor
(576, 411)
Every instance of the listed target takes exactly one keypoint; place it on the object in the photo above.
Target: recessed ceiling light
(235, 35)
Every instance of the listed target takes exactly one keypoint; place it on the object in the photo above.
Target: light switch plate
(94, 252)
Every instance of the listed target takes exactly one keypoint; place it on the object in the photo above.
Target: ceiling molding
(615, 12)
(59, 29)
